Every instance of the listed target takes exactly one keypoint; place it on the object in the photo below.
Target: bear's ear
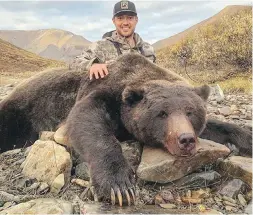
(132, 95)
(203, 91)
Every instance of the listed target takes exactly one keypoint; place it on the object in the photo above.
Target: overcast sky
(91, 19)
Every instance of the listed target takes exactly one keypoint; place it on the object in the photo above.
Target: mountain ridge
(229, 10)
(66, 44)
(15, 60)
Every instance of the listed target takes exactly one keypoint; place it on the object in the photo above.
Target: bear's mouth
(175, 147)
(181, 152)
(188, 151)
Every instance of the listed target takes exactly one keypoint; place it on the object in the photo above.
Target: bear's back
(129, 69)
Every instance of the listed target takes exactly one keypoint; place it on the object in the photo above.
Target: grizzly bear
(138, 99)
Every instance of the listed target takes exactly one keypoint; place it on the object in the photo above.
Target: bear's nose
(186, 139)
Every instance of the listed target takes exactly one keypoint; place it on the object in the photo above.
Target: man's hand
(98, 70)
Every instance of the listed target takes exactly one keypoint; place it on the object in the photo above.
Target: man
(114, 43)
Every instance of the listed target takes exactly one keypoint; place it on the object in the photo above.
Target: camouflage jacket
(108, 49)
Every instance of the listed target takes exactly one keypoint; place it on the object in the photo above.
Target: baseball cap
(124, 7)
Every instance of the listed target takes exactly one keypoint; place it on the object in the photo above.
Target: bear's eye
(188, 113)
(162, 114)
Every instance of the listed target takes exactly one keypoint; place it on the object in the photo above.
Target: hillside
(50, 43)
(14, 60)
(216, 52)
(229, 10)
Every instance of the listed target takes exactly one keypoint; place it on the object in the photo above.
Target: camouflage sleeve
(92, 55)
(149, 52)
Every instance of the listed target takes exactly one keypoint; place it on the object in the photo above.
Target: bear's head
(161, 114)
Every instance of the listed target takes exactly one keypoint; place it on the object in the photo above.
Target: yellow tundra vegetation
(218, 52)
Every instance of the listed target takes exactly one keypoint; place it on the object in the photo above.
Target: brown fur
(138, 99)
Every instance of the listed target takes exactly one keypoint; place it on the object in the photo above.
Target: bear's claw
(113, 197)
(128, 198)
(89, 192)
(119, 195)
(92, 189)
(133, 195)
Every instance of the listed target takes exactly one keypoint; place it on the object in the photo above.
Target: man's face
(125, 24)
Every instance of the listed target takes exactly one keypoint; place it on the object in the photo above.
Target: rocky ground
(34, 185)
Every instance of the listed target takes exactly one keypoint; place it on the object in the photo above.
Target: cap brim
(125, 12)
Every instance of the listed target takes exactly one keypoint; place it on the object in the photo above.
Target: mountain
(15, 60)
(229, 10)
(50, 43)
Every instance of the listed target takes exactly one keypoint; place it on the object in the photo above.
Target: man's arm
(91, 60)
(149, 52)
(88, 57)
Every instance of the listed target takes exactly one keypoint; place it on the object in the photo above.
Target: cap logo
(124, 5)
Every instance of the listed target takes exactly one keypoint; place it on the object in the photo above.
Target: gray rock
(44, 188)
(202, 179)
(240, 107)
(41, 206)
(27, 150)
(158, 165)
(217, 93)
(213, 103)
(168, 206)
(248, 123)
(7, 197)
(46, 160)
(229, 208)
(7, 205)
(243, 111)
(80, 182)
(248, 116)
(234, 117)
(47, 135)
(57, 184)
(248, 209)
(229, 203)
(234, 150)
(11, 152)
(242, 200)
(233, 188)
(233, 108)
(82, 171)
(60, 136)
(229, 199)
(219, 117)
(34, 186)
(238, 167)
(167, 196)
(225, 111)
(19, 162)
(20, 182)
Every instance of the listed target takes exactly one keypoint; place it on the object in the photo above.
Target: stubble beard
(129, 35)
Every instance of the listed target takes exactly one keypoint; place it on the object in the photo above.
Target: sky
(91, 19)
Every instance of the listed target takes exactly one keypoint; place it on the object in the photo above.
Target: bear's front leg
(228, 133)
(90, 130)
